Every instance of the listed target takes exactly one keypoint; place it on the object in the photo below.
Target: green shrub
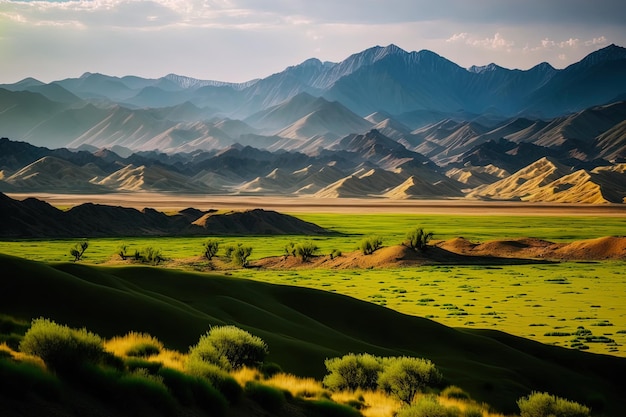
(270, 398)
(371, 244)
(269, 369)
(210, 248)
(151, 255)
(239, 254)
(60, 347)
(416, 239)
(22, 379)
(134, 364)
(216, 376)
(328, 408)
(306, 250)
(237, 346)
(352, 371)
(473, 411)
(190, 390)
(403, 377)
(290, 249)
(122, 252)
(455, 392)
(335, 253)
(542, 404)
(144, 349)
(78, 250)
(428, 407)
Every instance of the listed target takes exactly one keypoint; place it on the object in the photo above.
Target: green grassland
(302, 327)
(545, 302)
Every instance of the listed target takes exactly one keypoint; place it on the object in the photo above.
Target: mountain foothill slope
(32, 218)
(379, 109)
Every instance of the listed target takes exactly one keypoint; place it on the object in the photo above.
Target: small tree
(210, 248)
(542, 404)
(417, 239)
(371, 244)
(403, 377)
(78, 250)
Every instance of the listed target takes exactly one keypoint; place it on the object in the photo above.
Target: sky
(240, 40)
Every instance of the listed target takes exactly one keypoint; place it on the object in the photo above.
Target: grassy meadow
(570, 304)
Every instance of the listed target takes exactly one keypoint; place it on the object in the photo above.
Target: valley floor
(170, 201)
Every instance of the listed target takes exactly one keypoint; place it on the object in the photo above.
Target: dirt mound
(531, 248)
(257, 222)
(609, 247)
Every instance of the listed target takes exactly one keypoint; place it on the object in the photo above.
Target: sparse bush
(428, 407)
(151, 255)
(270, 398)
(417, 239)
(305, 250)
(237, 346)
(542, 404)
(239, 254)
(135, 364)
(122, 252)
(335, 253)
(403, 377)
(210, 248)
(78, 250)
(290, 249)
(61, 347)
(269, 369)
(371, 244)
(352, 371)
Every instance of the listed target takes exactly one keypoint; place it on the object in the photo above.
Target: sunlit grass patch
(134, 344)
(297, 386)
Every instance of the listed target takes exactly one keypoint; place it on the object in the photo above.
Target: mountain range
(382, 123)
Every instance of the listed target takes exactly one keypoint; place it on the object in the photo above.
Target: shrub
(210, 248)
(403, 377)
(270, 398)
(473, 411)
(305, 250)
(455, 392)
(216, 376)
(269, 369)
(78, 250)
(135, 364)
(328, 408)
(335, 253)
(428, 407)
(122, 252)
(135, 344)
(542, 404)
(290, 249)
(205, 352)
(191, 390)
(151, 255)
(61, 347)
(22, 379)
(236, 345)
(371, 244)
(352, 371)
(239, 254)
(417, 239)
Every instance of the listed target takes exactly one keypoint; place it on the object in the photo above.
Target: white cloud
(495, 42)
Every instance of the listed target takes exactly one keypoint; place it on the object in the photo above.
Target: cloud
(497, 42)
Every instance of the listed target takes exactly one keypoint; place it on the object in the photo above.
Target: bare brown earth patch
(609, 247)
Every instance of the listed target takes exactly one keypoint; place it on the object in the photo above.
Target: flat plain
(576, 304)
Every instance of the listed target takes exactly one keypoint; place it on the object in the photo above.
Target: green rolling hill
(302, 327)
